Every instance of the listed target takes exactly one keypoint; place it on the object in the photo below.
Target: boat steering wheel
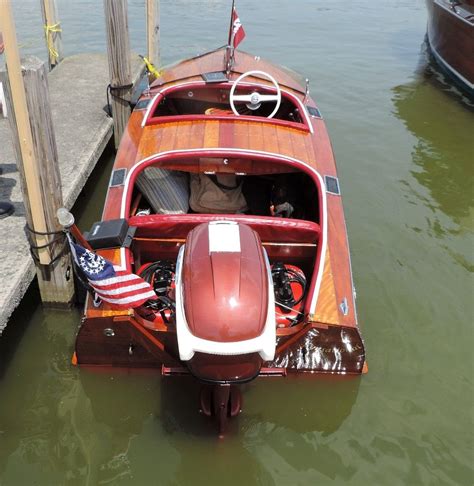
(255, 99)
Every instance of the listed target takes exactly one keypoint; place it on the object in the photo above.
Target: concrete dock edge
(83, 129)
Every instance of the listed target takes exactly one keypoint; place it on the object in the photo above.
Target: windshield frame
(149, 119)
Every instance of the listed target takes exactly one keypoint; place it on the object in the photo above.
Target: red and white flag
(237, 32)
(111, 284)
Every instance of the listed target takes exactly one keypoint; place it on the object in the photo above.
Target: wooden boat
(451, 39)
(264, 289)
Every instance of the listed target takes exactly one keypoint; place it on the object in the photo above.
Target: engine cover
(224, 297)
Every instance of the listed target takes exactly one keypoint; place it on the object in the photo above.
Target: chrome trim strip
(452, 11)
(448, 66)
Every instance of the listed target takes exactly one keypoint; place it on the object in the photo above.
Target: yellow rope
(152, 69)
(50, 30)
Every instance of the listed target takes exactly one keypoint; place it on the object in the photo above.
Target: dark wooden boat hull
(316, 348)
(451, 40)
(224, 330)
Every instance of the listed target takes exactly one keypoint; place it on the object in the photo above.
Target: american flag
(111, 283)
(237, 32)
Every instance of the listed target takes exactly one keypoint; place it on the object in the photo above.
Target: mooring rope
(111, 89)
(59, 237)
(50, 30)
(151, 68)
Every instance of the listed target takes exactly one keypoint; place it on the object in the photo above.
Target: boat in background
(450, 35)
(224, 200)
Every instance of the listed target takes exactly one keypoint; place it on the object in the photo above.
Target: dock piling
(118, 53)
(52, 32)
(36, 155)
(19, 120)
(153, 31)
(53, 260)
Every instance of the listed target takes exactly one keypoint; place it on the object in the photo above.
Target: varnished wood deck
(262, 136)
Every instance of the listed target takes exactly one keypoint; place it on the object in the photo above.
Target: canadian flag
(237, 32)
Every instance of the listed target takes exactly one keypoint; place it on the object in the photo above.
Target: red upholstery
(277, 230)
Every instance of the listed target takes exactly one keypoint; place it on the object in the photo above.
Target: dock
(77, 89)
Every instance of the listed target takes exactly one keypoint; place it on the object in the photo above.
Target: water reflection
(432, 72)
(35, 384)
(122, 412)
(442, 120)
(133, 420)
(444, 150)
(294, 422)
(112, 409)
(303, 403)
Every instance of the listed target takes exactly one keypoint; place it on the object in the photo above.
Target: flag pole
(231, 22)
(229, 41)
(66, 220)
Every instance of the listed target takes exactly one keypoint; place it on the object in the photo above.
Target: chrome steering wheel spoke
(255, 99)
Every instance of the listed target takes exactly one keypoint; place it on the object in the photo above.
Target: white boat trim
(235, 151)
(189, 344)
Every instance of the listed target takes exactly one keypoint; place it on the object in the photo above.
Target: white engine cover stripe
(224, 236)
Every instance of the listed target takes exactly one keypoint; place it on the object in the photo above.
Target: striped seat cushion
(167, 191)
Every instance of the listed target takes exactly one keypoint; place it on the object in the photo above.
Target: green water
(404, 142)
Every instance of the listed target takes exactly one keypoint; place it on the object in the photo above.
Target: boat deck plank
(326, 311)
(244, 62)
(211, 135)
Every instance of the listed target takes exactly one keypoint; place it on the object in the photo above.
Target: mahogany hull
(119, 342)
(328, 340)
(451, 40)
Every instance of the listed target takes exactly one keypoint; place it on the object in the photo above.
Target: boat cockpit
(282, 203)
(196, 99)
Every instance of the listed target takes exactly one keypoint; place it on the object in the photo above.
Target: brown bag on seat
(221, 196)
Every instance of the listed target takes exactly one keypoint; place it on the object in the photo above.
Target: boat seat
(218, 111)
(167, 191)
(275, 230)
